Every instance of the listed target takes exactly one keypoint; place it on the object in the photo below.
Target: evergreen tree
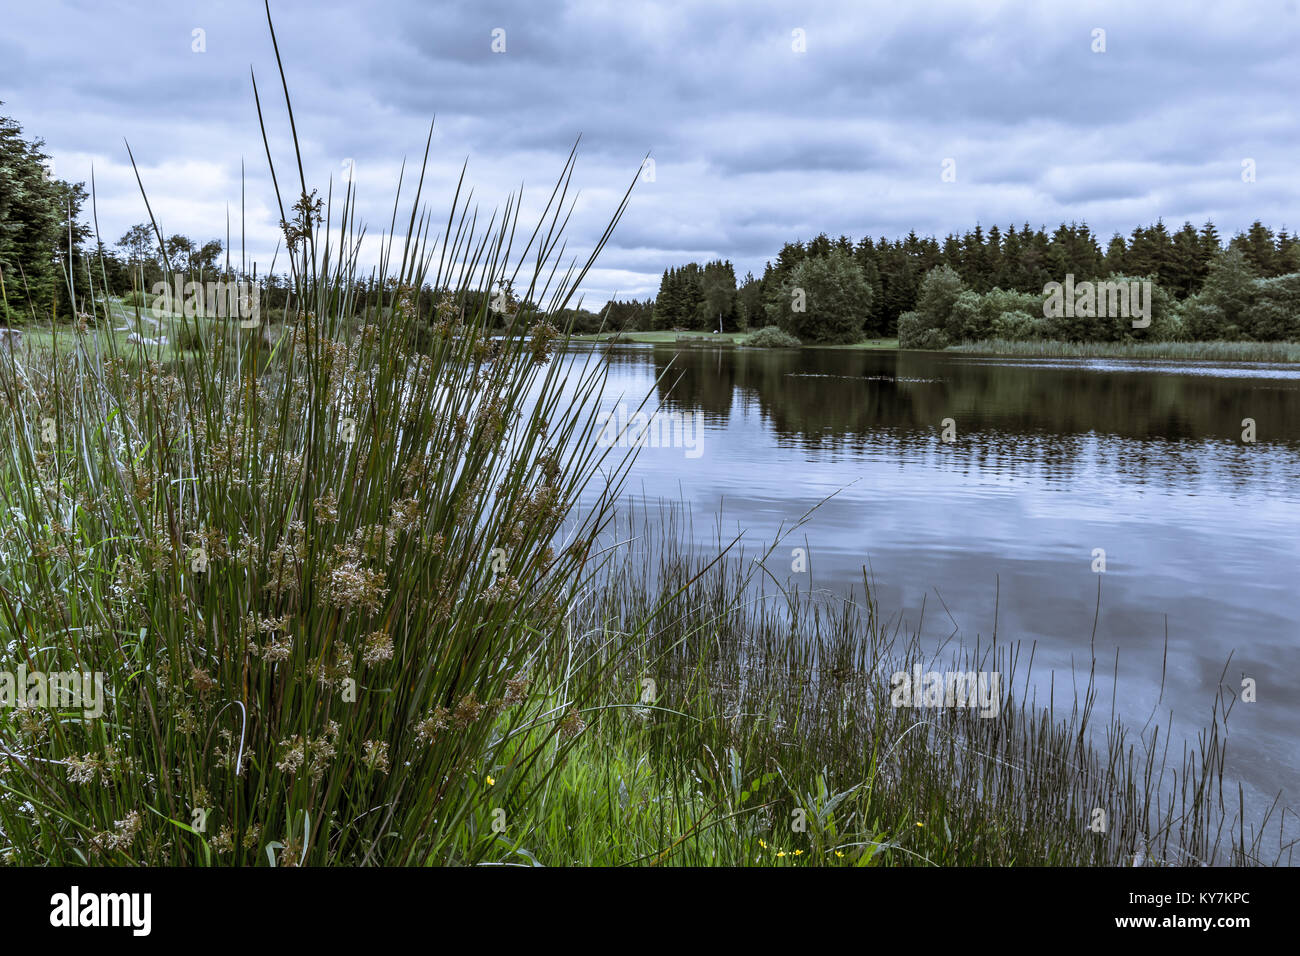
(36, 213)
(1257, 245)
(1188, 267)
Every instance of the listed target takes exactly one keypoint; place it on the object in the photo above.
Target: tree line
(838, 290)
(929, 293)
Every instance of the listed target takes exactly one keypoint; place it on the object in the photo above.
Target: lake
(1049, 461)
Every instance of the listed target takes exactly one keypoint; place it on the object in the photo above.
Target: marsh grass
(772, 707)
(1180, 351)
(318, 575)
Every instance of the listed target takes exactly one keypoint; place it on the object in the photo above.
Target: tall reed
(326, 582)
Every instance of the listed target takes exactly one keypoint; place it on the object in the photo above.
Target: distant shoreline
(1245, 352)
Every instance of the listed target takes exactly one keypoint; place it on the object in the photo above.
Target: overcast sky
(754, 142)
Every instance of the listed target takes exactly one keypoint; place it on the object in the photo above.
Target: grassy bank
(110, 330)
(658, 338)
(739, 728)
(1178, 351)
(732, 338)
(380, 660)
(1174, 351)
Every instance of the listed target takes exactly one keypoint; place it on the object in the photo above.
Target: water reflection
(1052, 460)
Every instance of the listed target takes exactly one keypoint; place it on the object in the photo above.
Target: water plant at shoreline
(316, 578)
(1172, 351)
(759, 727)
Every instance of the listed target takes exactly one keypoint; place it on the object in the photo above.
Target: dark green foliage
(1274, 315)
(698, 298)
(630, 316)
(1020, 262)
(824, 299)
(749, 302)
(938, 294)
(913, 333)
(948, 313)
(36, 212)
(1218, 311)
(772, 337)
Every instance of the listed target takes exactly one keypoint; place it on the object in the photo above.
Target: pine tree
(1257, 245)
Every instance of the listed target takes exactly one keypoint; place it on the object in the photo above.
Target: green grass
(743, 728)
(658, 338)
(873, 344)
(115, 322)
(1178, 351)
(736, 338)
(316, 582)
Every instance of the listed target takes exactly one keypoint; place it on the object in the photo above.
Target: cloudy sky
(766, 121)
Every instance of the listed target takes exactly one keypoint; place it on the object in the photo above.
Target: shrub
(1230, 286)
(771, 337)
(1275, 312)
(1018, 326)
(1203, 320)
(939, 292)
(913, 333)
(836, 299)
(966, 318)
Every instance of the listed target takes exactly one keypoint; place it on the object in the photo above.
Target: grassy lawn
(645, 338)
(122, 321)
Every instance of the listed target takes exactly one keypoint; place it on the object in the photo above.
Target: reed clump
(1177, 351)
(314, 575)
(744, 725)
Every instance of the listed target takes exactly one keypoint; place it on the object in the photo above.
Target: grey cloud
(754, 144)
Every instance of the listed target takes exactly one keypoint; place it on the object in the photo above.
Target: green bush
(1274, 315)
(914, 333)
(771, 337)
(966, 319)
(824, 299)
(939, 292)
(1018, 326)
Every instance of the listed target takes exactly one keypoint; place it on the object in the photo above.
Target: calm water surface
(1052, 459)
